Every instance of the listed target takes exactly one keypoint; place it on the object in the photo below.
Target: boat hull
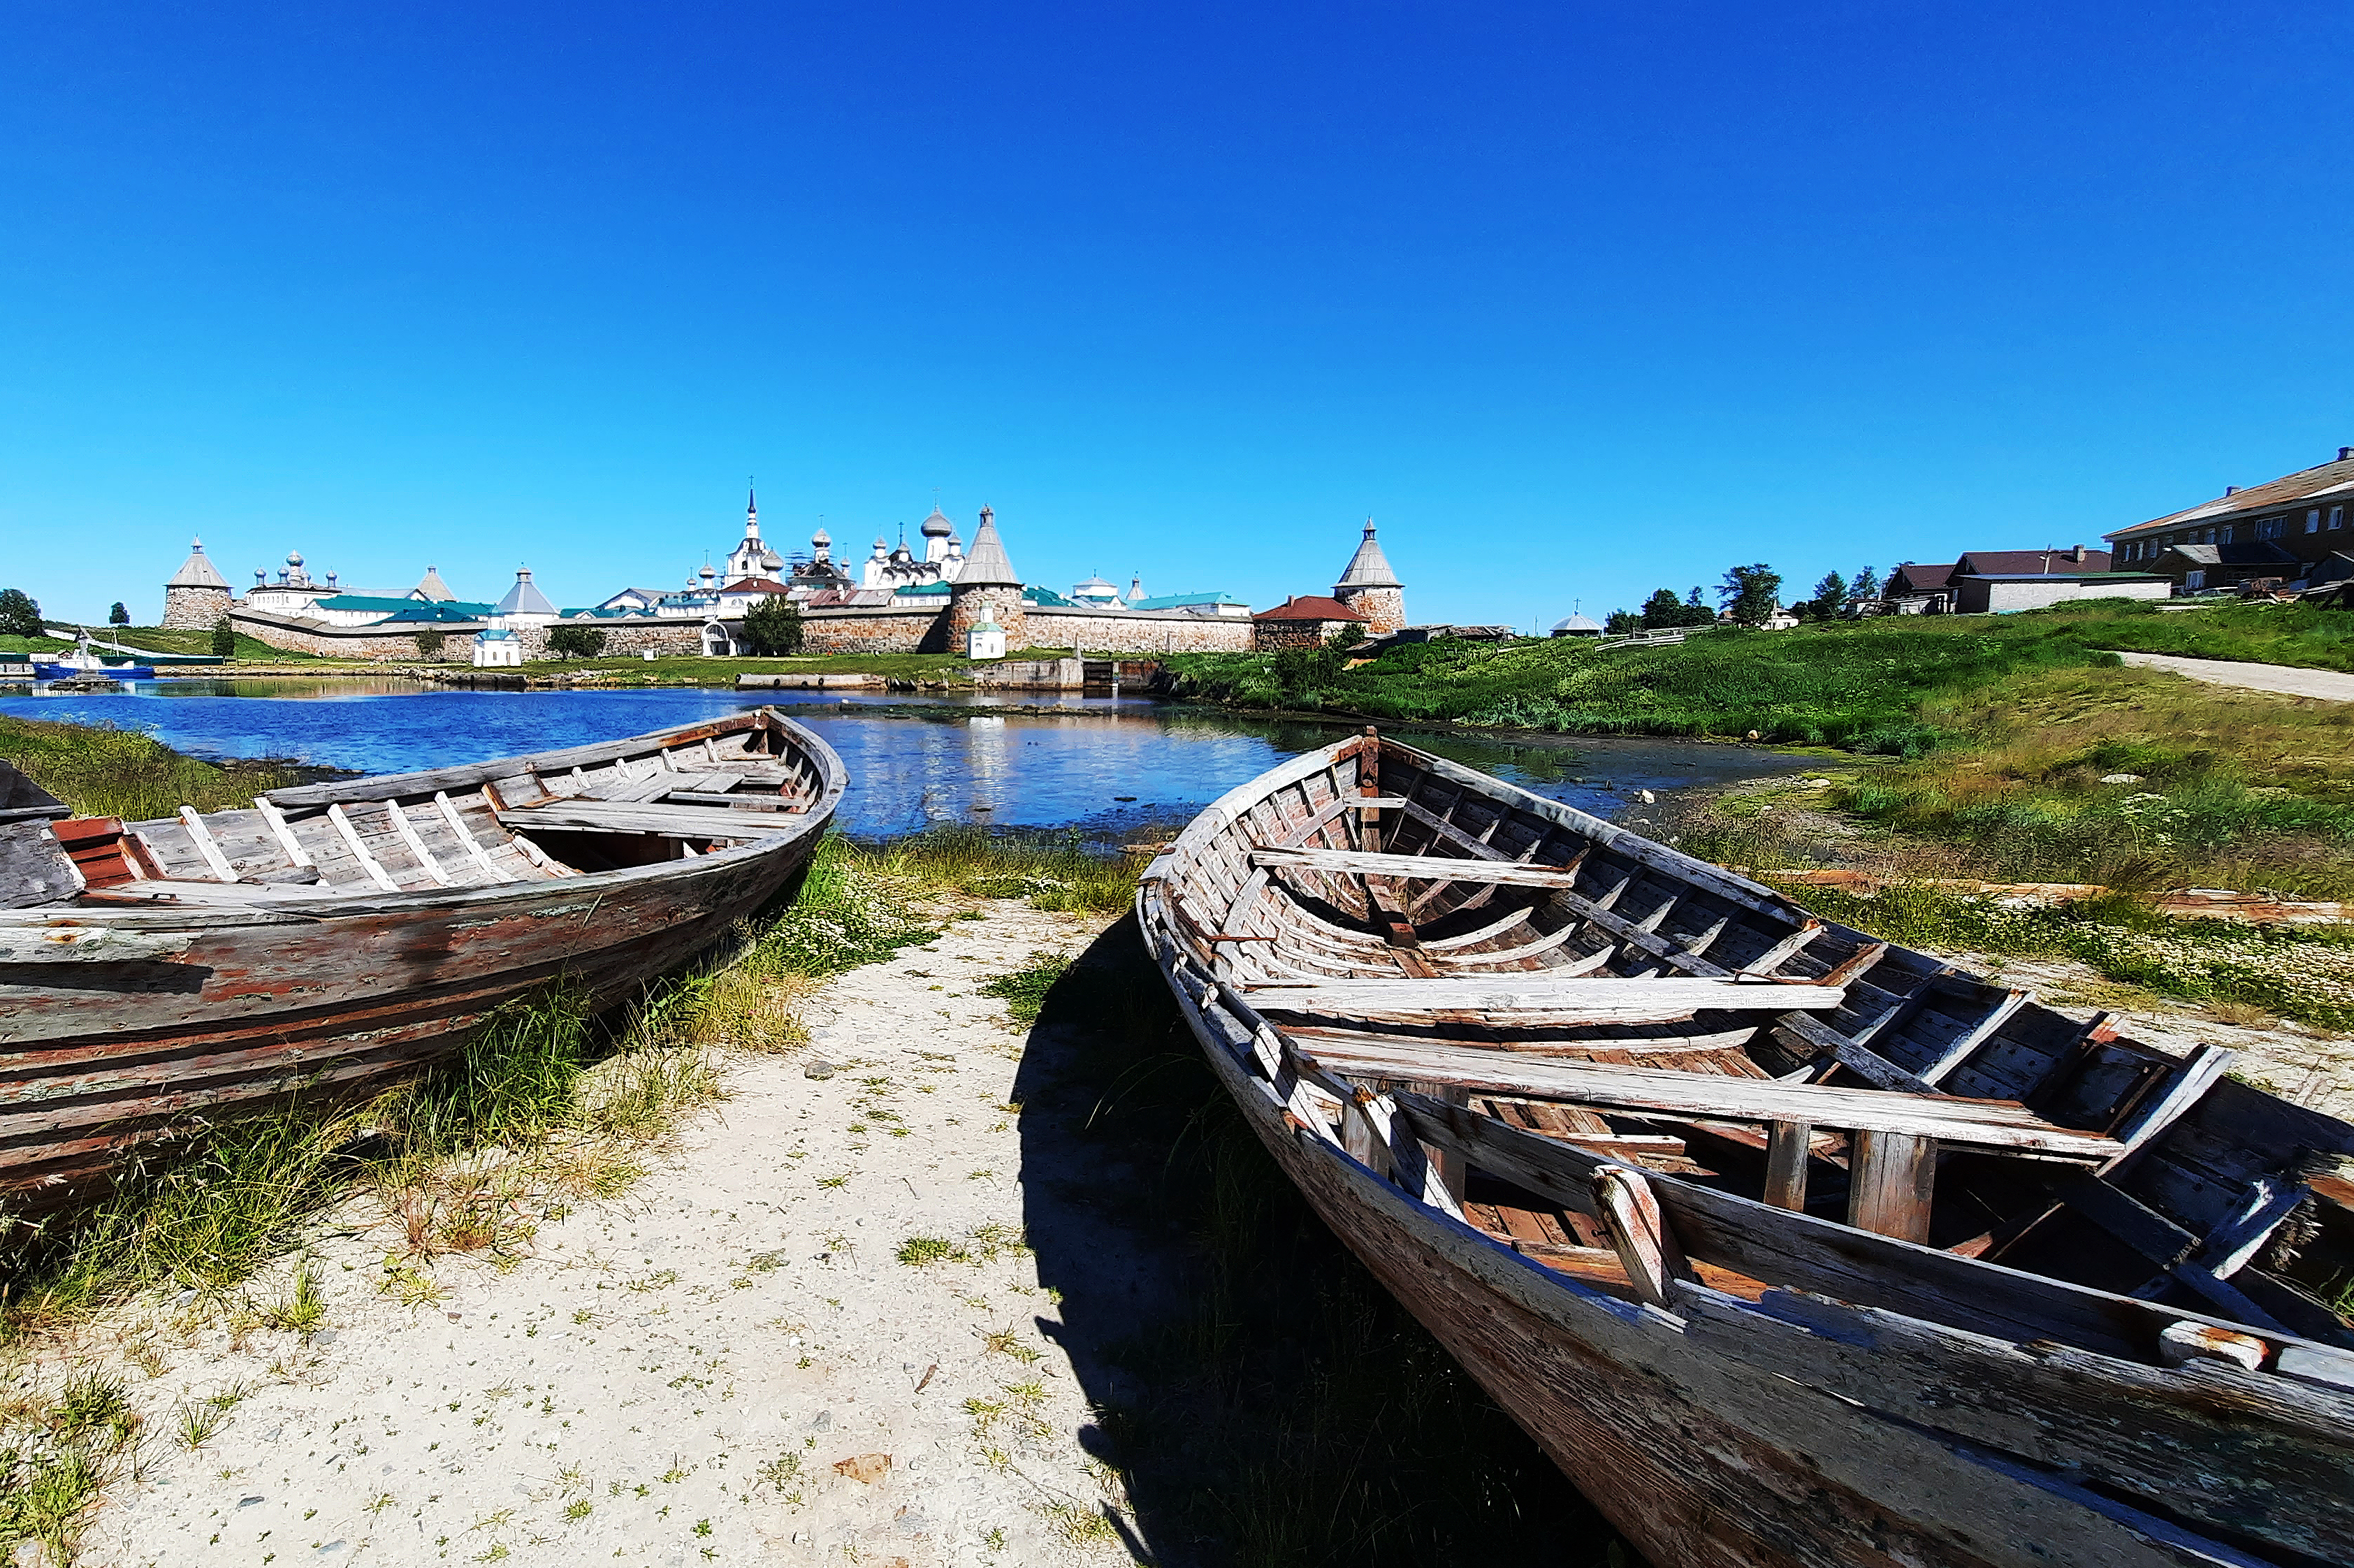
(153, 1018)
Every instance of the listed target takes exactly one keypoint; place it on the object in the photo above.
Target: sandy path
(674, 1375)
(2329, 684)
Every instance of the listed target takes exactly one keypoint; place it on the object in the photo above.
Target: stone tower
(196, 596)
(1372, 589)
(987, 590)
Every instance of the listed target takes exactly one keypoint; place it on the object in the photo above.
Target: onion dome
(938, 527)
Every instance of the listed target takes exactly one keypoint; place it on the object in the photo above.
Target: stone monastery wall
(349, 641)
(1142, 632)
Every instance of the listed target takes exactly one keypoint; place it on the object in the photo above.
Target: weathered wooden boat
(336, 935)
(1789, 1245)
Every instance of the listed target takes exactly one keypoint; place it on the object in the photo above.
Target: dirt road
(2329, 685)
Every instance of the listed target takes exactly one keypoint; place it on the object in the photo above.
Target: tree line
(1749, 595)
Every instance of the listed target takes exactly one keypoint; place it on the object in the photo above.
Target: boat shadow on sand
(1262, 1397)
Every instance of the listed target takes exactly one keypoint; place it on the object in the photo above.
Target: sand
(730, 1362)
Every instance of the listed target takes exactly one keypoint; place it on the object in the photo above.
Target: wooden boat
(335, 934)
(1789, 1245)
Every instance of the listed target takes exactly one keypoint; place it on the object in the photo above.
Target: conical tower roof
(198, 570)
(431, 586)
(986, 563)
(1368, 568)
(525, 598)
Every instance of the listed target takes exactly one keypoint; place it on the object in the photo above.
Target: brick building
(1306, 622)
(2294, 529)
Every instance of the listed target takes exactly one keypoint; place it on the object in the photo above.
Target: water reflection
(1106, 768)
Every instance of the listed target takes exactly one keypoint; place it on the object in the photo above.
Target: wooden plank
(678, 822)
(1484, 932)
(1604, 1000)
(473, 774)
(1784, 950)
(1646, 1244)
(1787, 1144)
(1891, 1178)
(202, 837)
(449, 813)
(284, 833)
(1415, 867)
(1978, 1124)
(2210, 1442)
(1804, 1253)
(1859, 1059)
(376, 873)
(1957, 1050)
(408, 831)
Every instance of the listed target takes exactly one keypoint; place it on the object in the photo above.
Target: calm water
(1105, 768)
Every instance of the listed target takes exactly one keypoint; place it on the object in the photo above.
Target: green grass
(1052, 870)
(158, 640)
(126, 773)
(2305, 973)
(55, 1454)
(1024, 991)
(1860, 685)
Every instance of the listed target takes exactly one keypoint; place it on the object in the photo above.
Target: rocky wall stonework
(628, 639)
(1142, 632)
(1383, 607)
(194, 609)
(350, 642)
(1000, 602)
(922, 630)
(1272, 634)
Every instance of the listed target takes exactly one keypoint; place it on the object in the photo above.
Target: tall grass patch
(2134, 779)
(128, 773)
(2301, 972)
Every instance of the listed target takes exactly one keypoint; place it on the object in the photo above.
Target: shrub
(430, 643)
(576, 642)
(224, 639)
(772, 629)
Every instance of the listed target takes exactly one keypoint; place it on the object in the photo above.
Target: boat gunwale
(297, 908)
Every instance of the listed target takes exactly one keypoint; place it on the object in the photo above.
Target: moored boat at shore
(1788, 1245)
(334, 936)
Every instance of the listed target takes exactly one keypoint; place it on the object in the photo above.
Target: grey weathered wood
(1978, 1124)
(682, 821)
(1632, 1000)
(474, 774)
(1958, 1050)
(283, 832)
(491, 871)
(1781, 952)
(1861, 1060)
(34, 866)
(201, 836)
(1788, 1145)
(407, 832)
(368, 863)
(1632, 1390)
(1891, 1180)
(1646, 1244)
(1415, 867)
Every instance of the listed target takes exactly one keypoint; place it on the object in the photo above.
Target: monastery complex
(946, 596)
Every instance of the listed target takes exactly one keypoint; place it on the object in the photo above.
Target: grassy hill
(1862, 685)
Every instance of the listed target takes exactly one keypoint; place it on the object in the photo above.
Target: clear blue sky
(1575, 300)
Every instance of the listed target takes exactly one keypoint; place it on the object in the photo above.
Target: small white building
(497, 648)
(986, 640)
(2002, 592)
(1095, 594)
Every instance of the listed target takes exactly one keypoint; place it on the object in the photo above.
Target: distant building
(196, 596)
(1304, 621)
(497, 648)
(1369, 588)
(1213, 603)
(1577, 626)
(1982, 593)
(1096, 594)
(2287, 530)
(1995, 580)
